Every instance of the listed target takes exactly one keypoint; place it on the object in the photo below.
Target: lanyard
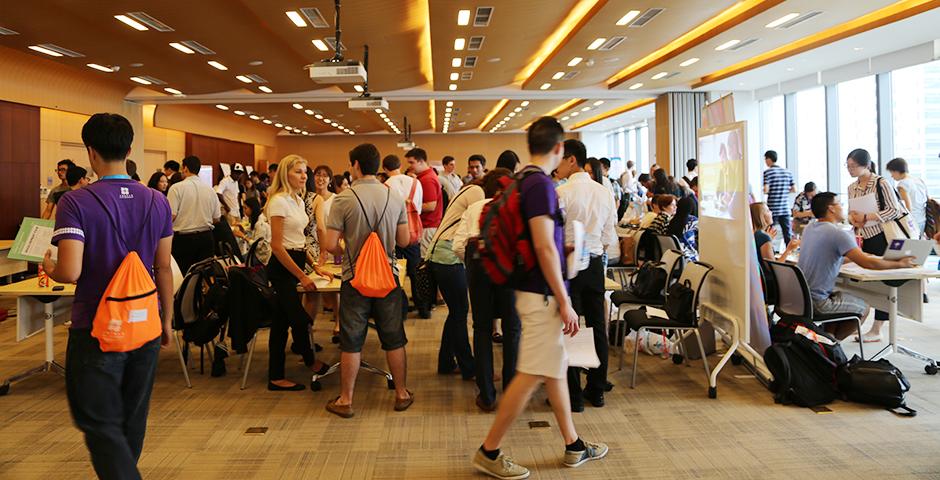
(115, 177)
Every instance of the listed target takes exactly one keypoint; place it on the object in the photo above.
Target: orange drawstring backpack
(372, 275)
(128, 314)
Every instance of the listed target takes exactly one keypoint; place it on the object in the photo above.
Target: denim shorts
(355, 311)
(840, 302)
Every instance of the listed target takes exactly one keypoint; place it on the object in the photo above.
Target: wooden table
(9, 267)
(38, 308)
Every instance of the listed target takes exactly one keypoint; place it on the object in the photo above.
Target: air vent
(256, 78)
(331, 41)
(153, 80)
(146, 19)
(743, 44)
(475, 43)
(7, 31)
(802, 18)
(667, 77)
(470, 62)
(648, 15)
(482, 18)
(314, 16)
(611, 44)
(570, 75)
(198, 47)
(466, 75)
(62, 50)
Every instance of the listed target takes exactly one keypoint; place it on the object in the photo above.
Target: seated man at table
(824, 248)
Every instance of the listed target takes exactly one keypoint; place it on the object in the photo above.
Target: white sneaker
(503, 467)
(592, 451)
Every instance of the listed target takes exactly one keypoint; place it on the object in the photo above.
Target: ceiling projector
(406, 145)
(347, 71)
(368, 103)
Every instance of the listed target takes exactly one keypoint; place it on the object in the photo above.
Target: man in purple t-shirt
(545, 311)
(109, 392)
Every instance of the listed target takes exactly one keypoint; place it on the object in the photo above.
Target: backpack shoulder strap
(113, 222)
(414, 188)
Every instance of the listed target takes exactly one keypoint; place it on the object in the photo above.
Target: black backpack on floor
(804, 368)
(875, 382)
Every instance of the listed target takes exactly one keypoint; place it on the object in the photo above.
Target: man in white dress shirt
(195, 208)
(228, 188)
(590, 203)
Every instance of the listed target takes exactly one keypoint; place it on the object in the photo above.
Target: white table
(900, 292)
(9, 267)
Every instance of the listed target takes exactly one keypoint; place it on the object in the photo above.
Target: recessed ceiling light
(660, 75)
(727, 45)
(689, 62)
(243, 79)
(454, 76)
(517, 109)
(564, 118)
(449, 104)
(599, 102)
(525, 103)
(141, 81)
(256, 63)
(131, 22)
(575, 61)
(452, 86)
(278, 125)
(635, 86)
(545, 86)
(448, 109)
(463, 17)
(298, 106)
(45, 50)
(512, 114)
(326, 120)
(628, 17)
(358, 88)
(172, 91)
(221, 107)
(238, 112)
(575, 114)
(100, 67)
(456, 62)
(460, 43)
(309, 112)
(217, 65)
(784, 19)
(318, 116)
(383, 115)
(266, 121)
(254, 117)
(265, 89)
(296, 18)
(558, 75)
(596, 43)
(321, 46)
(494, 60)
(585, 109)
(182, 48)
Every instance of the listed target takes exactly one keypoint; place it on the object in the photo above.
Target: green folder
(32, 240)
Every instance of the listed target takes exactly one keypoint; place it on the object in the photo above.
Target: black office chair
(794, 300)
(695, 273)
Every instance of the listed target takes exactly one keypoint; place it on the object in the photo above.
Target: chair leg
(179, 352)
(701, 351)
(636, 356)
(861, 343)
(247, 366)
(622, 332)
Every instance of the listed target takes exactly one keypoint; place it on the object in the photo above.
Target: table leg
(49, 365)
(893, 345)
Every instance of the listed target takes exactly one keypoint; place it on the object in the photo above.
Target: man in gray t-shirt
(365, 206)
(823, 249)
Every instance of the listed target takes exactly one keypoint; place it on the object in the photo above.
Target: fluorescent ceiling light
(558, 75)
(326, 120)
(321, 46)
(784, 19)
(265, 89)
(358, 88)
(254, 117)
(173, 91)
(238, 112)
(512, 114)
(266, 121)
(131, 22)
(278, 125)
(596, 43)
(100, 67)
(689, 62)
(452, 86)
(575, 61)
(517, 109)
(448, 109)
(379, 110)
(318, 116)
(628, 17)
(298, 106)
(456, 62)
(182, 48)
(635, 86)
(575, 114)
(564, 118)
(449, 104)
(660, 75)
(309, 112)
(598, 103)
(727, 45)
(463, 17)
(525, 103)
(545, 86)
(243, 78)
(460, 43)
(141, 81)
(585, 109)
(454, 76)
(217, 65)
(296, 18)
(45, 50)
(221, 107)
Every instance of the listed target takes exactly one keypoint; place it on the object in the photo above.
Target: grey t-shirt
(346, 217)
(821, 252)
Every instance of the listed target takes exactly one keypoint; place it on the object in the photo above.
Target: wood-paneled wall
(19, 165)
(213, 151)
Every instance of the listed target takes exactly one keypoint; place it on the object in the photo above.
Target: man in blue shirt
(778, 182)
(824, 248)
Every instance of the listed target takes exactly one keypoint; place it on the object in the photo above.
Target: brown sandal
(402, 404)
(344, 411)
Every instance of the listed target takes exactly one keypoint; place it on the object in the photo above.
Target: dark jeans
(587, 299)
(109, 396)
(290, 313)
(784, 222)
(490, 302)
(412, 256)
(455, 341)
(876, 245)
(190, 248)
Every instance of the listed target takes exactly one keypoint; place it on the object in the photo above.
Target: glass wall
(915, 92)
(630, 143)
(858, 123)
(773, 128)
(811, 146)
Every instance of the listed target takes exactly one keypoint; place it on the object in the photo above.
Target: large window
(858, 123)
(643, 153)
(773, 128)
(916, 96)
(811, 143)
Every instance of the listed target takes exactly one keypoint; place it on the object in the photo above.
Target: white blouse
(291, 208)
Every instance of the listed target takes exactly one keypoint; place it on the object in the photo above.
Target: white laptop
(919, 249)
